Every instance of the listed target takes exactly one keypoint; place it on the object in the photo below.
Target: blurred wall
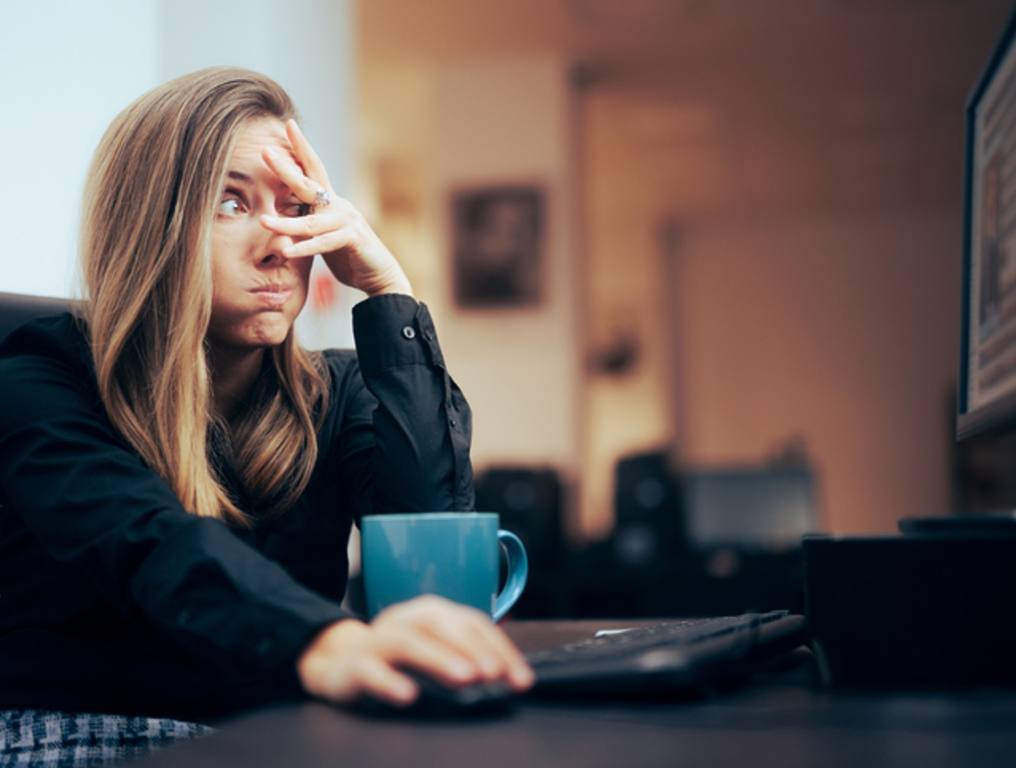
(769, 205)
(823, 316)
(501, 122)
(837, 333)
(838, 329)
(430, 130)
(792, 237)
(66, 68)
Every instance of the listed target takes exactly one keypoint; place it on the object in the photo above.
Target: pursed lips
(274, 293)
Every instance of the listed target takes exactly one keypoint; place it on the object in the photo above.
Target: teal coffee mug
(451, 554)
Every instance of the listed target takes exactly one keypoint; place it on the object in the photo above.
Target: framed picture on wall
(497, 243)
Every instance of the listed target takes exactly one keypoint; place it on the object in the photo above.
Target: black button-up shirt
(114, 598)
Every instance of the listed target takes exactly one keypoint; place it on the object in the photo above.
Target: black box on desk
(902, 611)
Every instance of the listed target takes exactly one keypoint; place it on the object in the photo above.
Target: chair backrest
(17, 309)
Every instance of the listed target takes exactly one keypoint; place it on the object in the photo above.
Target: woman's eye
(230, 206)
(298, 208)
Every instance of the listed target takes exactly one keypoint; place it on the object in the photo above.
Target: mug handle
(518, 571)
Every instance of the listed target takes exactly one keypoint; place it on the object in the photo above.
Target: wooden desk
(779, 724)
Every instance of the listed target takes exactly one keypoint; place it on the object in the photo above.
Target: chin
(252, 329)
(273, 332)
(267, 329)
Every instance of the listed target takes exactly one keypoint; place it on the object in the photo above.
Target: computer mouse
(439, 701)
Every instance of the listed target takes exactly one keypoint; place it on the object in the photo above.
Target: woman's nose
(272, 256)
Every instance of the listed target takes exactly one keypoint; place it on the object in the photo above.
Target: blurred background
(695, 263)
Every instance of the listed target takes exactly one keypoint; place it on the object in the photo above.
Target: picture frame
(497, 243)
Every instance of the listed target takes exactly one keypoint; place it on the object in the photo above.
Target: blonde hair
(150, 199)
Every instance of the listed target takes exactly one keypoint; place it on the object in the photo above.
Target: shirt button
(428, 335)
(453, 422)
(409, 333)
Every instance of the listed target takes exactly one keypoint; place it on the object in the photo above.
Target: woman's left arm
(403, 442)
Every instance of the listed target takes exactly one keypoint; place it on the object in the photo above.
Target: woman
(179, 478)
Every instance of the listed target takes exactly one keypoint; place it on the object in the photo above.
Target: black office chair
(17, 309)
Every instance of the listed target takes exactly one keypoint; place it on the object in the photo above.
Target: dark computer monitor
(750, 508)
(987, 382)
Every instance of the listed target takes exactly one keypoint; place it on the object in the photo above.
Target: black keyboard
(681, 633)
(667, 654)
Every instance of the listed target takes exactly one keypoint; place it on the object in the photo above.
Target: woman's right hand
(452, 643)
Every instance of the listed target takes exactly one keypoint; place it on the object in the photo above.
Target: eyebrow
(241, 176)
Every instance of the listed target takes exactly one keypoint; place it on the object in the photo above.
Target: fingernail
(406, 691)
(523, 677)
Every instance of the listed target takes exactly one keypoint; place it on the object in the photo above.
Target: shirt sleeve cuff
(392, 330)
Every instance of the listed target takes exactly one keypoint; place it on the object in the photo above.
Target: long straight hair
(149, 205)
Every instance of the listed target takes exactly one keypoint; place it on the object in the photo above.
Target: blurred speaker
(648, 526)
(529, 501)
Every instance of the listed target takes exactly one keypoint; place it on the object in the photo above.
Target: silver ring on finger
(321, 200)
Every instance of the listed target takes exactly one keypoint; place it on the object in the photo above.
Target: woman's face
(256, 292)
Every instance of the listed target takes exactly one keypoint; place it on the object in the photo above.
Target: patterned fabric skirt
(35, 737)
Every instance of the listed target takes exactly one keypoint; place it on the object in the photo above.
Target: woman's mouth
(273, 295)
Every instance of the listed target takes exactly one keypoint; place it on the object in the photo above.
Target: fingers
(476, 638)
(432, 657)
(305, 181)
(317, 233)
(461, 637)
(304, 226)
(306, 155)
(511, 658)
(377, 678)
(468, 633)
(282, 164)
(326, 243)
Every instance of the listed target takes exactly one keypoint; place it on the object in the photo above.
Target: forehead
(252, 138)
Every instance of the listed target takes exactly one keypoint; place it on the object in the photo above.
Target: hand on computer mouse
(452, 643)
